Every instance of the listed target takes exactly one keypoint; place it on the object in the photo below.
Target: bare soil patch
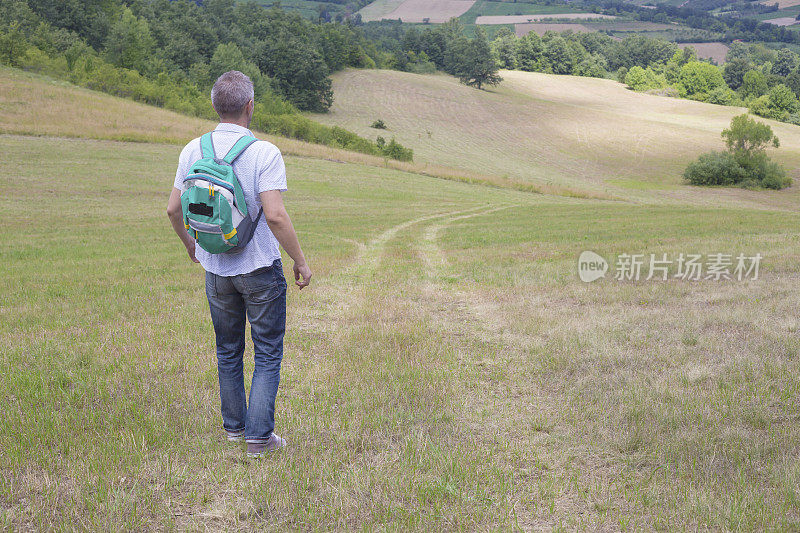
(786, 3)
(782, 21)
(715, 51)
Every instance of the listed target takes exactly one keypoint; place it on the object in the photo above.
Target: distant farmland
(547, 129)
(520, 19)
(782, 21)
(543, 27)
(715, 51)
(589, 26)
(417, 10)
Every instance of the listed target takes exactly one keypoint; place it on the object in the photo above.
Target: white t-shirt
(259, 168)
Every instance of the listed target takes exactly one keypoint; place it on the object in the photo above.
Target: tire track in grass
(344, 289)
(510, 410)
(368, 258)
(436, 265)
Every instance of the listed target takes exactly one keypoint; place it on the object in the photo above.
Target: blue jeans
(261, 297)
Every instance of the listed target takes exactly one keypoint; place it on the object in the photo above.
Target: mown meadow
(446, 369)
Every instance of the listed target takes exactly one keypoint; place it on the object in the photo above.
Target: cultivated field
(593, 25)
(488, 7)
(715, 51)
(521, 19)
(550, 129)
(445, 371)
(782, 21)
(378, 9)
(423, 10)
(542, 28)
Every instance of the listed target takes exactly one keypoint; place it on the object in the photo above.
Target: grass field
(306, 8)
(378, 9)
(446, 369)
(522, 19)
(488, 8)
(550, 129)
(416, 11)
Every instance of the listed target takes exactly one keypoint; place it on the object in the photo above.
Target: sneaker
(260, 449)
(235, 436)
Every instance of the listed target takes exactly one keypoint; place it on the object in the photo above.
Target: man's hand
(281, 226)
(190, 250)
(305, 272)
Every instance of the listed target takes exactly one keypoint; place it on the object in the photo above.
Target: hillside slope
(40, 106)
(446, 369)
(579, 132)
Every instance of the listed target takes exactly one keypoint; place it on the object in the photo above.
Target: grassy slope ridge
(37, 105)
(445, 371)
(579, 132)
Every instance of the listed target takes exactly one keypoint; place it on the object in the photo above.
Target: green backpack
(214, 209)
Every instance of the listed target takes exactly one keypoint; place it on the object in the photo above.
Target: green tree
(698, 78)
(793, 81)
(130, 43)
(530, 50)
(754, 84)
(734, 71)
(636, 78)
(747, 138)
(644, 79)
(227, 57)
(559, 56)
(478, 67)
(593, 66)
(785, 62)
(12, 45)
(504, 48)
(745, 163)
(781, 102)
(298, 72)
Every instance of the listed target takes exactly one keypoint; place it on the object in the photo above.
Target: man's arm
(281, 226)
(175, 214)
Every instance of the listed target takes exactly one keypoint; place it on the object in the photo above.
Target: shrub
(722, 96)
(397, 151)
(715, 168)
(762, 171)
(697, 79)
(745, 163)
(641, 79)
(378, 125)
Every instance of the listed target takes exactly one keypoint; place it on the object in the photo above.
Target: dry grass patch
(37, 106)
(715, 51)
(554, 130)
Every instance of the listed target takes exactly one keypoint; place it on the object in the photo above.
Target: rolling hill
(584, 133)
(446, 370)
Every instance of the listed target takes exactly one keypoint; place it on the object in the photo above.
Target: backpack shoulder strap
(238, 148)
(207, 147)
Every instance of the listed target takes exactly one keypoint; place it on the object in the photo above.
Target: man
(249, 283)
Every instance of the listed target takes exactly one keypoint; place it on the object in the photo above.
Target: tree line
(168, 53)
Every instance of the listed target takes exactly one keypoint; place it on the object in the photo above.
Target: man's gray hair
(231, 92)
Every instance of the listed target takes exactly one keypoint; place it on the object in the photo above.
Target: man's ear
(251, 107)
